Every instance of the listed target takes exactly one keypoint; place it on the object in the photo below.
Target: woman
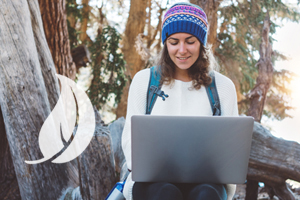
(184, 65)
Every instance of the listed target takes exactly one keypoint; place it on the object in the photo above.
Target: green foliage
(239, 34)
(108, 65)
(74, 12)
(108, 68)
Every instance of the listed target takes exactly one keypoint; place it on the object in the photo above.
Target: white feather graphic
(63, 117)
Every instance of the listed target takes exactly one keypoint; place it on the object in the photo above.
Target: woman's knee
(156, 191)
(169, 191)
(208, 191)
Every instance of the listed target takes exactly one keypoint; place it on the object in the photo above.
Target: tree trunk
(44, 55)
(56, 30)
(135, 25)
(9, 188)
(210, 8)
(84, 21)
(24, 100)
(258, 94)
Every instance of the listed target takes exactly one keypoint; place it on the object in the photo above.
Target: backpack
(154, 90)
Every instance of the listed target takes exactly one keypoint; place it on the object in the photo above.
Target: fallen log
(96, 165)
(273, 160)
(116, 129)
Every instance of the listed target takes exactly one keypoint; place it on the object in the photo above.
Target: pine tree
(239, 37)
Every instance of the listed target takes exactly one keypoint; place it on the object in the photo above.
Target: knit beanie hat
(185, 18)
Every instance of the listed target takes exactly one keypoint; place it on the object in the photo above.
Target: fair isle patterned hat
(185, 18)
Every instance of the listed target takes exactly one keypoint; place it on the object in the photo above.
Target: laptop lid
(190, 149)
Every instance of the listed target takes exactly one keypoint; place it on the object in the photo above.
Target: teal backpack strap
(213, 96)
(154, 89)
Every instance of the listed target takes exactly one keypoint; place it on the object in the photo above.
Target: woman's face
(184, 50)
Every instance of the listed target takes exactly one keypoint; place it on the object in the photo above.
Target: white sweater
(182, 100)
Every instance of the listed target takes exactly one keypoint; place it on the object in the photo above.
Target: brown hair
(199, 71)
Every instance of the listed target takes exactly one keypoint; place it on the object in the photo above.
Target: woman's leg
(156, 191)
(207, 191)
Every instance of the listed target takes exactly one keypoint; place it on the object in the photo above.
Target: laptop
(190, 149)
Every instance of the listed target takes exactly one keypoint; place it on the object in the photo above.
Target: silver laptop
(191, 149)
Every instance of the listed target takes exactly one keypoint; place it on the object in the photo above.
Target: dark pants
(178, 191)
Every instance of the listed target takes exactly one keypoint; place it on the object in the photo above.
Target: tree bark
(272, 161)
(251, 190)
(116, 129)
(56, 30)
(258, 94)
(210, 8)
(44, 55)
(96, 165)
(24, 101)
(135, 25)
(9, 188)
(48, 72)
(84, 22)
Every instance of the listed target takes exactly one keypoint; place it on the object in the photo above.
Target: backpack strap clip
(161, 94)
(154, 89)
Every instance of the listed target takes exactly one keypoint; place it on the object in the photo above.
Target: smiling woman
(184, 50)
(185, 58)
(185, 69)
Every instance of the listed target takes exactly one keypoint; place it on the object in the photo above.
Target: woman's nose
(182, 48)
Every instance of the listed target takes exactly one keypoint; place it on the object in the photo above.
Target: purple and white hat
(185, 18)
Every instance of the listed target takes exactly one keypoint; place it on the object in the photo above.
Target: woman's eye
(190, 42)
(174, 43)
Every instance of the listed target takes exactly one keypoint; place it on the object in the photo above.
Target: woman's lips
(182, 59)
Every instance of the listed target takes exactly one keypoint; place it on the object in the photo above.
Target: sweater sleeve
(136, 105)
(227, 94)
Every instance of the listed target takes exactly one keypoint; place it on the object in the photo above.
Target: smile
(182, 58)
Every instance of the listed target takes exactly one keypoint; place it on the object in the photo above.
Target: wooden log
(72, 194)
(251, 190)
(272, 155)
(116, 129)
(273, 160)
(96, 165)
(283, 192)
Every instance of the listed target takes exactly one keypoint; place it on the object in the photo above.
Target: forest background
(101, 45)
(282, 98)
(285, 41)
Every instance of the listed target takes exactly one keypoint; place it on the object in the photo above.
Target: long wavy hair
(198, 72)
